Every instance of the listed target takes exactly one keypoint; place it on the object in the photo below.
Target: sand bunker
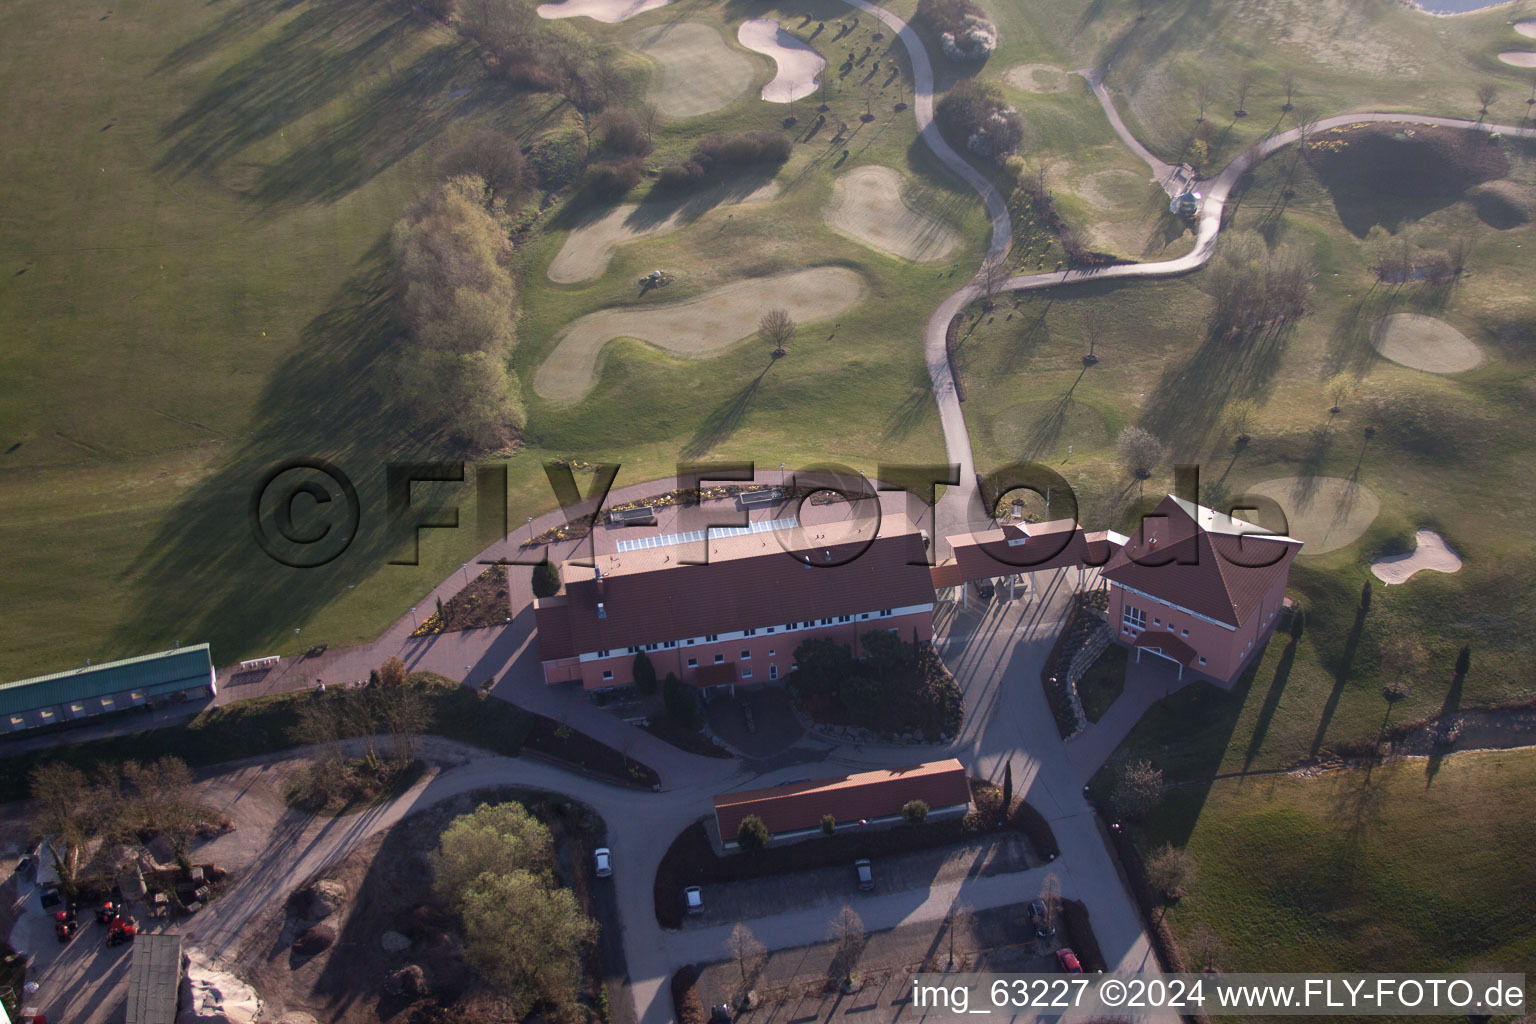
(867, 206)
(590, 246)
(1431, 552)
(799, 64)
(609, 11)
(1526, 27)
(699, 72)
(1037, 78)
(1323, 512)
(1519, 58)
(694, 328)
(1424, 343)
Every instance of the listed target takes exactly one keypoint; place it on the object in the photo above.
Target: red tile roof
(752, 583)
(878, 794)
(1027, 547)
(1202, 561)
(1168, 644)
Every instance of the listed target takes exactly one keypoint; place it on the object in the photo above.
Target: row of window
(746, 673)
(1133, 620)
(788, 627)
(46, 715)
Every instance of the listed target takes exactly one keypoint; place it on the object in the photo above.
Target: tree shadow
(202, 574)
(911, 410)
(1340, 678)
(725, 419)
(1046, 430)
(1187, 401)
(1271, 703)
(1448, 707)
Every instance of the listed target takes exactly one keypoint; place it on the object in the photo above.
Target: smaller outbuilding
(795, 809)
(184, 674)
(154, 979)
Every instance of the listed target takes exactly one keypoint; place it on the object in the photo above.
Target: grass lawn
(197, 291)
(1391, 869)
(1103, 683)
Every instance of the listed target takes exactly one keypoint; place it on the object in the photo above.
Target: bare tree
(959, 927)
(60, 791)
(401, 708)
(1050, 895)
(1306, 121)
(1202, 97)
(848, 932)
(778, 329)
(1206, 945)
(1240, 416)
(1170, 870)
(1244, 87)
(1093, 330)
(1138, 788)
(1139, 451)
(164, 802)
(748, 953)
(650, 116)
(993, 274)
(1402, 658)
(1486, 94)
(1288, 83)
(1340, 387)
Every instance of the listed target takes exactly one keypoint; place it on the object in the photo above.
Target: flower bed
(483, 603)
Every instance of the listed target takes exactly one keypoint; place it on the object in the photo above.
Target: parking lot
(997, 854)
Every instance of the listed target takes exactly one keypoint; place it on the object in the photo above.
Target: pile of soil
(1503, 204)
(1417, 161)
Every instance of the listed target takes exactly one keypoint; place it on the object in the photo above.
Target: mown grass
(1381, 869)
(198, 291)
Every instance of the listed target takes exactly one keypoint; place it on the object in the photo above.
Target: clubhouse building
(1192, 586)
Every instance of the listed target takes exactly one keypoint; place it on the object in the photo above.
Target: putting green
(1037, 78)
(694, 328)
(1424, 343)
(590, 246)
(699, 72)
(867, 206)
(1325, 513)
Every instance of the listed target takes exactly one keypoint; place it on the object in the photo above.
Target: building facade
(736, 619)
(1198, 588)
(184, 674)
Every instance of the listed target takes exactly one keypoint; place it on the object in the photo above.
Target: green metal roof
(154, 979)
(164, 672)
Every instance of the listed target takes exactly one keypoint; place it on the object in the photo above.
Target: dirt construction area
(699, 72)
(1323, 512)
(867, 205)
(1424, 343)
(590, 246)
(694, 328)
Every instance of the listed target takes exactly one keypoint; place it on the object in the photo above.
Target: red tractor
(65, 925)
(121, 929)
(107, 912)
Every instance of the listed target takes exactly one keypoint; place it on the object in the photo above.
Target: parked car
(865, 873)
(65, 925)
(1067, 961)
(317, 650)
(693, 899)
(748, 719)
(604, 868)
(721, 1014)
(1038, 920)
(984, 589)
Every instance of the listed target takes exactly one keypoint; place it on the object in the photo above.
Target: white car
(693, 899)
(604, 869)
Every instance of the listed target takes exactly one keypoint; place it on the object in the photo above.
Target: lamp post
(465, 567)
(530, 531)
(414, 623)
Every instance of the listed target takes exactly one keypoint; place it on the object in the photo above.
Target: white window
(712, 637)
(864, 616)
(17, 721)
(690, 642)
(693, 662)
(45, 714)
(1183, 632)
(893, 629)
(607, 674)
(773, 671)
(1136, 618)
(719, 658)
(746, 673)
(772, 652)
(137, 696)
(604, 653)
(751, 632)
(1157, 622)
(1171, 627)
(106, 702)
(77, 709)
(1202, 659)
(770, 629)
(746, 654)
(885, 611)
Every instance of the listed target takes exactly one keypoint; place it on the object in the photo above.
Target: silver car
(604, 868)
(693, 899)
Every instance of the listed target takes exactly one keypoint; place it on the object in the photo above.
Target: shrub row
(685, 996)
(1074, 914)
(716, 152)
